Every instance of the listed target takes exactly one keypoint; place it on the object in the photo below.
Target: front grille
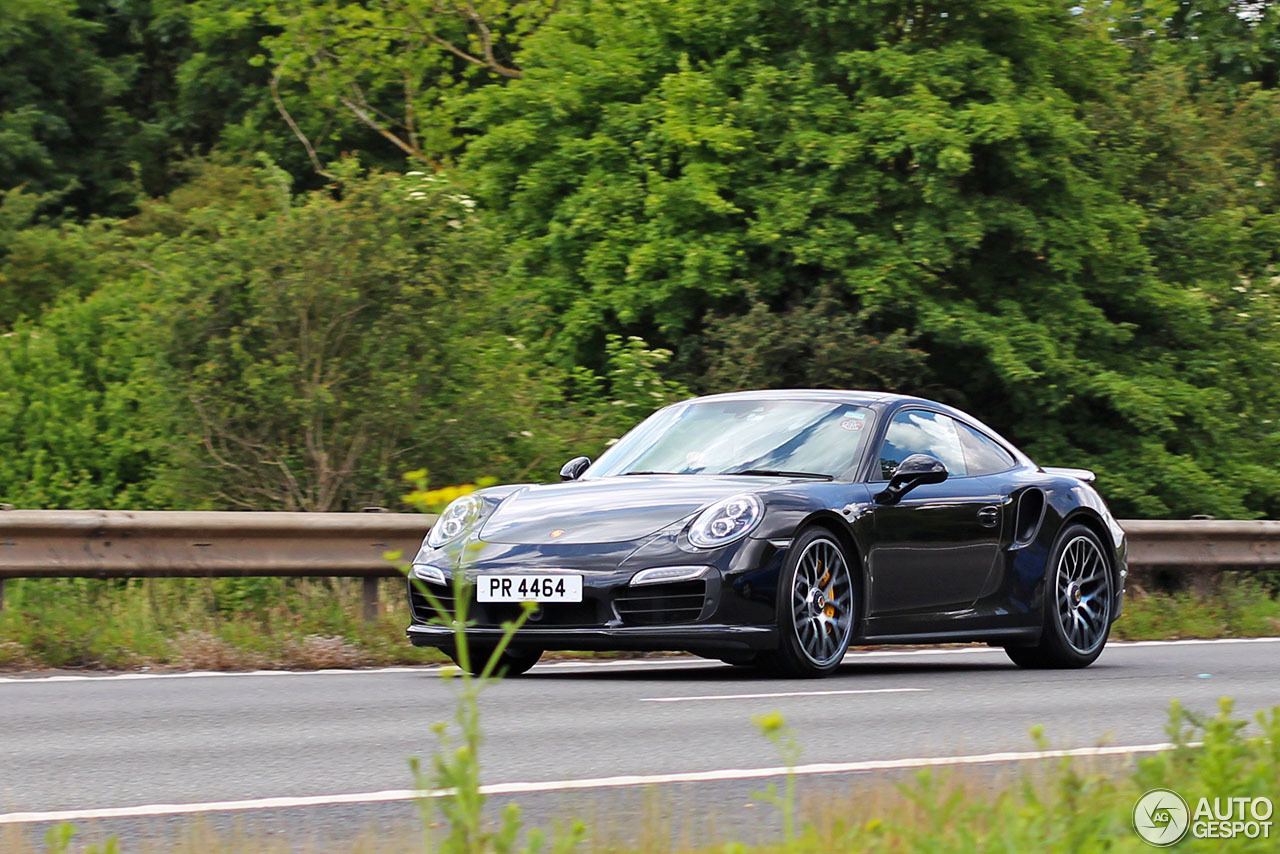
(662, 604)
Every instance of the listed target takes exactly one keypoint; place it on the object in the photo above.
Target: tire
(512, 662)
(1078, 599)
(817, 608)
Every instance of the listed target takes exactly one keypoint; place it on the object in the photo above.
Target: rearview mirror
(911, 472)
(573, 469)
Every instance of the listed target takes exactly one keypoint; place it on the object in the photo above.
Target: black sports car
(775, 528)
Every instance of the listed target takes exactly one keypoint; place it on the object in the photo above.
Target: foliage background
(271, 254)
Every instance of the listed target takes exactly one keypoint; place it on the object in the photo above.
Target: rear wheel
(512, 662)
(816, 607)
(1077, 604)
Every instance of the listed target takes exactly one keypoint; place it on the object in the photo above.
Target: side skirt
(1021, 636)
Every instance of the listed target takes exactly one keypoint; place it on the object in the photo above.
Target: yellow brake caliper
(829, 610)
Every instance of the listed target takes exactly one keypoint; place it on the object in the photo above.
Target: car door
(934, 549)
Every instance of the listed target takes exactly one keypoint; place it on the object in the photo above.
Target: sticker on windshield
(853, 421)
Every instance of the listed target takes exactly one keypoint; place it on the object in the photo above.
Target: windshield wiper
(625, 473)
(780, 473)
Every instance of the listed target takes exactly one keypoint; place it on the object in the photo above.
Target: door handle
(989, 516)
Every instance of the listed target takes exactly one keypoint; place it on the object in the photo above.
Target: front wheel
(1077, 604)
(512, 662)
(816, 608)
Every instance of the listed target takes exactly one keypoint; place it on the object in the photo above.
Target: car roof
(849, 396)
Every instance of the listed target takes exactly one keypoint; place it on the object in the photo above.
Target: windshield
(792, 437)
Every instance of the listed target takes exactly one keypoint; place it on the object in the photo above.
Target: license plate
(529, 588)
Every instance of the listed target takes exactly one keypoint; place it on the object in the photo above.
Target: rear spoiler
(1079, 474)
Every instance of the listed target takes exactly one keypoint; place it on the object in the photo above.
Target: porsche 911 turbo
(776, 529)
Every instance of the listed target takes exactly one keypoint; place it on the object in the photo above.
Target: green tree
(251, 349)
(816, 343)
(57, 125)
(1236, 42)
(933, 168)
(322, 348)
(395, 68)
(82, 422)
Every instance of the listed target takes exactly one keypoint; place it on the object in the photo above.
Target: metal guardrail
(1211, 544)
(198, 544)
(184, 544)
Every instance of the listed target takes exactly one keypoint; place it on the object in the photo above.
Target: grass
(1239, 607)
(202, 624)
(272, 623)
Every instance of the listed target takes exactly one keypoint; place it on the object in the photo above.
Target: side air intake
(1028, 517)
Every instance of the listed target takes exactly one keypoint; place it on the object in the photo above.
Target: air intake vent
(421, 608)
(1027, 521)
(662, 604)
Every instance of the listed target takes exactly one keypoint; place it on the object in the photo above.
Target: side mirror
(913, 471)
(573, 469)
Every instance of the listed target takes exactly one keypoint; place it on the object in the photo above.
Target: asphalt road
(323, 742)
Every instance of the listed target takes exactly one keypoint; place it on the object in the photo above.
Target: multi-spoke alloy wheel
(1083, 594)
(1077, 604)
(822, 602)
(816, 606)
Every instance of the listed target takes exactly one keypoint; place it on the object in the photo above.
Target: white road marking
(422, 669)
(1192, 642)
(392, 795)
(201, 674)
(610, 664)
(782, 694)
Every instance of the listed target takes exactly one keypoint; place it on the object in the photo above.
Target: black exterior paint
(950, 561)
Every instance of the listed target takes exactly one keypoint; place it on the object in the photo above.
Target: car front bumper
(699, 638)
(730, 607)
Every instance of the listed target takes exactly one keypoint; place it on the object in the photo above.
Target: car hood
(607, 509)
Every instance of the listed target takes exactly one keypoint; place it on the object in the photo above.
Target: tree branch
(486, 39)
(399, 143)
(297, 131)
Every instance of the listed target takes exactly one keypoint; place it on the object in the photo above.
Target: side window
(981, 453)
(916, 432)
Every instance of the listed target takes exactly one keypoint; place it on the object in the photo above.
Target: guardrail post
(3, 507)
(369, 599)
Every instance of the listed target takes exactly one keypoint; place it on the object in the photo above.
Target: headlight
(455, 521)
(725, 521)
